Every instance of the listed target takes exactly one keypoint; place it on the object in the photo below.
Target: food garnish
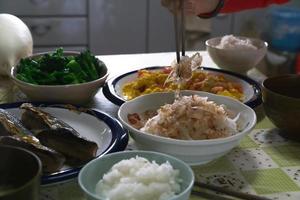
(189, 118)
(182, 71)
(58, 69)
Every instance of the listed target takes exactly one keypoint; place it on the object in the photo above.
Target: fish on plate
(12, 132)
(58, 135)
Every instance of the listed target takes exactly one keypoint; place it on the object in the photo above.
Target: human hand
(191, 7)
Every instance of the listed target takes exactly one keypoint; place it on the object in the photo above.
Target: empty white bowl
(91, 173)
(193, 152)
(73, 93)
(236, 60)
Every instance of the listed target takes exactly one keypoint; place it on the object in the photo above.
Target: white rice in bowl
(232, 42)
(138, 178)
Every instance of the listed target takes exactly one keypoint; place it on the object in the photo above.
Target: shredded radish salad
(190, 118)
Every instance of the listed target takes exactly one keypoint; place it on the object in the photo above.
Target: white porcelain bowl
(236, 60)
(92, 172)
(72, 94)
(193, 152)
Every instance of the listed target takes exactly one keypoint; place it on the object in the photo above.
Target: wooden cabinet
(103, 26)
(53, 31)
(44, 7)
(53, 23)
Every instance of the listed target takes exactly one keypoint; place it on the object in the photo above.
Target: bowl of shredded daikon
(135, 175)
(197, 128)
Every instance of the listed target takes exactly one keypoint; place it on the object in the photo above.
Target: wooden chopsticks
(179, 28)
(226, 191)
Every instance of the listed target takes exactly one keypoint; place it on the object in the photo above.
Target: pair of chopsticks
(226, 191)
(179, 25)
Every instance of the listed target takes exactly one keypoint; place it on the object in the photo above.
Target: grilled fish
(12, 132)
(52, 161)
(56, 134)
(10, 125)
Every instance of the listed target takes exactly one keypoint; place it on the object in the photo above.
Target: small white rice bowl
(113, 175)
(236, 53)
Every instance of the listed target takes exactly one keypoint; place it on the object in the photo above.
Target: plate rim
(110, 93)
(118, 142)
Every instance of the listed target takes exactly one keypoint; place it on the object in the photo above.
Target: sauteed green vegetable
(58, 69)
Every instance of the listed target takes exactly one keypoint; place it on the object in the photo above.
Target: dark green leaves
(57, 69)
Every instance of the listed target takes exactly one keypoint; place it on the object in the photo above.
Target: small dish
(112, 89)
(94, 125)
(77, 94)
(94, 170)
(193, 152)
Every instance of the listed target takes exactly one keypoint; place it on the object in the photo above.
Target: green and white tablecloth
(264, 164)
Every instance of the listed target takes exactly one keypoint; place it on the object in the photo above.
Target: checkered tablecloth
(264, 164)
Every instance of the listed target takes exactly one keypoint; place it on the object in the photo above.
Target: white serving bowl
(72, 93)
(193, 152)
(92, 172)
(236, 60)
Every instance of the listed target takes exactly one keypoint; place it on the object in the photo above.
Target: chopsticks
(179, 28)
(227, 192)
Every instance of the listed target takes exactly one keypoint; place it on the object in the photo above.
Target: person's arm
(239, 5)
(210, 8)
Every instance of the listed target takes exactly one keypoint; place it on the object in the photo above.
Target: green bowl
(281, 101)
(92, 172)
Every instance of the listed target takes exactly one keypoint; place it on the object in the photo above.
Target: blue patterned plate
(112, 90)
(92, 124)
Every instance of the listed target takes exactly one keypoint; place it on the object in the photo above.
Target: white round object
(16, 42)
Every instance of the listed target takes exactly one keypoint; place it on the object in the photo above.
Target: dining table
(264, 164)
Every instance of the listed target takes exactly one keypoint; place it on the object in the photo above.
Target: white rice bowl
(168, 170)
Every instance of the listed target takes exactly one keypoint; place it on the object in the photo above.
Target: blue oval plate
(92, 124)
(112, 89)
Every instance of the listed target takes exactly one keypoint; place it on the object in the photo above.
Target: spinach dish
(59, 69)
